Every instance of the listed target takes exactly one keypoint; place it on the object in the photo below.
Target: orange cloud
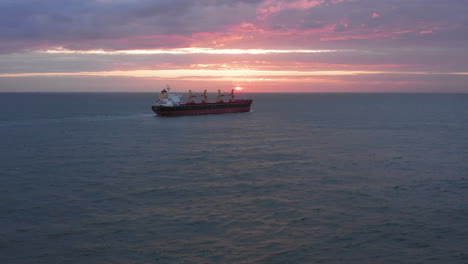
(426, 32)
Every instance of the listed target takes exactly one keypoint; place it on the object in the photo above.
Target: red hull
(206, 112)
(239, 106)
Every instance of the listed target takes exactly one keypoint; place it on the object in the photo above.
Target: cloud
(123, 24)
(270, 7)
(115, 35)
(400, 60)
(78, 22)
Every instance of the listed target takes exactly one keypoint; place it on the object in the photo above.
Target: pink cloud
(273, 6)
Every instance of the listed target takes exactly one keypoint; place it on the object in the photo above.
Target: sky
(408, 46)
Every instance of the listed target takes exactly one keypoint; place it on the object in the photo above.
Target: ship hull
(238, 106)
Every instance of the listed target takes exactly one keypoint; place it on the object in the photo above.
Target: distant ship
(169, 104)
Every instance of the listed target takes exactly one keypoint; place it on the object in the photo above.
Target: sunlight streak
(193, 50)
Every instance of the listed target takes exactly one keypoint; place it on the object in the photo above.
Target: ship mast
(203, 95)
(164, 94)
(232, 96)
(221, 95)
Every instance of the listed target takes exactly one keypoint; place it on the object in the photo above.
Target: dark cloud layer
(125, 24)
(63, 22)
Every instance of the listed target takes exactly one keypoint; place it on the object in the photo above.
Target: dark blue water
(311, 178)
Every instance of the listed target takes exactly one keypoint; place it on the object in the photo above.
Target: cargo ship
(169, 104)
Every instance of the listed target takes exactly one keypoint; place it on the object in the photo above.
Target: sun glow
(238, 88)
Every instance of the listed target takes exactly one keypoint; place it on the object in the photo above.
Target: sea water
(302, 178)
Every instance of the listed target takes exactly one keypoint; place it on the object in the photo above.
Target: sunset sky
(260, 45)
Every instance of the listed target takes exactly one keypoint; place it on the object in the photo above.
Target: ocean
(302, 178)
